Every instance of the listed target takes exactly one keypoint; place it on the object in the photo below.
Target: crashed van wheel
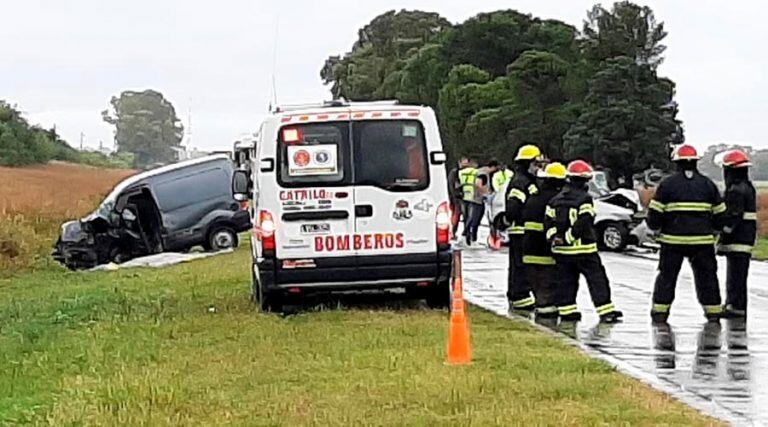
(614, 236)
(439, 296)
(221, 238)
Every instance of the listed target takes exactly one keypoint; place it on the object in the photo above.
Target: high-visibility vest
(467, 177)
(501, 178)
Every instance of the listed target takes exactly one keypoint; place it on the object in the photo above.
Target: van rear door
(315, 199)
(394, 207)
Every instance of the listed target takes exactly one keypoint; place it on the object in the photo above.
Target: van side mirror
(438, 157)
(240, 185)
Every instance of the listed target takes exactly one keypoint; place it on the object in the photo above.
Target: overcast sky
(62, 60)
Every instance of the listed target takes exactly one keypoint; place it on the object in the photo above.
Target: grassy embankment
(34, 201)
(184, 345)
(761, 250)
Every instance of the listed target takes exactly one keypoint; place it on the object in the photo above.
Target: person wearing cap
(570, 229)
(686, 212)
(537, 252)
(739, 231)
(522, 186)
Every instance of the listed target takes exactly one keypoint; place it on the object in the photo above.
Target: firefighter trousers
(518, 290)
(569, 269)
(704, 265)
(542, 279)
(736, 280)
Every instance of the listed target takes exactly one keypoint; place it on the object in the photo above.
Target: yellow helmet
(528, 152)
(554, 170)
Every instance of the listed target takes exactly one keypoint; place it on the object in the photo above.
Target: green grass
(761, 249)
(142, 347)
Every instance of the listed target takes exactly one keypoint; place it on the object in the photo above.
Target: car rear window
(390, 154)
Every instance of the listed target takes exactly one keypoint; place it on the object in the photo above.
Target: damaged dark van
(169, 209)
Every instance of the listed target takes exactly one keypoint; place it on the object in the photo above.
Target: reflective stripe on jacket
(570, 217)
(687, 209)
(740, 219)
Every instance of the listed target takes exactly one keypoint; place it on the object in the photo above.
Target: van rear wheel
(269, 301)
(439, 296)
(221, 238)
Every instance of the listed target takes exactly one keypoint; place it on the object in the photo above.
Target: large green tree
(381, 49)
(146, 125)
(503, 79)
(627, 122)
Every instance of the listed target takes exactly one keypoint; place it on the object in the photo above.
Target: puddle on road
(716, 367)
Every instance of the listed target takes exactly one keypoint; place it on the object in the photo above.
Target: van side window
(193, 188)
(314, 154)
(390, 154)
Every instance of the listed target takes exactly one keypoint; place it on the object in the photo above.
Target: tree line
(503, 79)
(22, 144)
(147, 132)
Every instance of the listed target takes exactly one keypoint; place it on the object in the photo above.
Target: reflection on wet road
(717, 368)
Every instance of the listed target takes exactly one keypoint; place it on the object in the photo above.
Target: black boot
(659, 317)
(571, 317)
(614, 316)
(729, 312)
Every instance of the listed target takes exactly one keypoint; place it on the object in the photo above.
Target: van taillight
(443, 224)
(265, 230)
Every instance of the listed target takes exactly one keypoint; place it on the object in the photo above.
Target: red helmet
(580, 168)
(736, 159)
(685, 152)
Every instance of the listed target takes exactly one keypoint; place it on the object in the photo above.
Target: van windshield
(389, 154)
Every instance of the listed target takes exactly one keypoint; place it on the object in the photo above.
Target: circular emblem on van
(322, 157)
(301, 158)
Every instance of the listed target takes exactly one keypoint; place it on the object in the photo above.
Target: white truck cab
(349, 196)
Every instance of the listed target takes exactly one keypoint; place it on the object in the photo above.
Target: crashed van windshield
(172, 208)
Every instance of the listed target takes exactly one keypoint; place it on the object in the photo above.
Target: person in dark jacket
(522, 186)
(456, 194)
(537, 252)
(570, 225)
(686, 210)
(739, 232)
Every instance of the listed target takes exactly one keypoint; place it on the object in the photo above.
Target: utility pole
(82, 137)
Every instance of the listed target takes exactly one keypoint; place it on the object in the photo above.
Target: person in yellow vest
(467, 182)
(501, 178)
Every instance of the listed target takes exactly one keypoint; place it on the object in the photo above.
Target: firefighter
(686, 211)
(570, 226)
(739, 231)
(522, 186)
(467, 178)
(537, 253)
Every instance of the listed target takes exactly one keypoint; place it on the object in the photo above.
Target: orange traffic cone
(459, 347)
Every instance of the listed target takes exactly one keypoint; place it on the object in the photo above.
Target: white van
(349, 196)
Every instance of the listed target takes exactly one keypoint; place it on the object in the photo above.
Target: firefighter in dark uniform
(686, 210)
(537, 252)
(522, 186)
(739, 231)
(570, 225)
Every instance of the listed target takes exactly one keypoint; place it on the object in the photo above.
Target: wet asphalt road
(721, 369)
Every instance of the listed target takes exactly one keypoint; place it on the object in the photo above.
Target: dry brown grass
(34, 201)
